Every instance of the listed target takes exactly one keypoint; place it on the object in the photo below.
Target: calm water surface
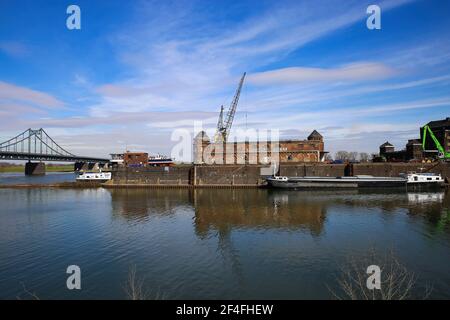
(208, 244)
(48, 178)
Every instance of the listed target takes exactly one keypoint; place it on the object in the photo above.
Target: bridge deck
(38, 145)
(7, 155)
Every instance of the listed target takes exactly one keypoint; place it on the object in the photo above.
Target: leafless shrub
(30, 295)
(397, 282)
(135, 288)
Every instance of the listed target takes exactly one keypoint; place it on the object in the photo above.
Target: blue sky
(137, 70)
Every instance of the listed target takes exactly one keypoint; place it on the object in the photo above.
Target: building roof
(386, 144)
(413, 141)
(440, 123)
(315, 135)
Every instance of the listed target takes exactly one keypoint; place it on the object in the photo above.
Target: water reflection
(140, 204)
(222, 210)
(215, 243)
(425, 198)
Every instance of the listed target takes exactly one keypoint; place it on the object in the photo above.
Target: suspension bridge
(37, 145)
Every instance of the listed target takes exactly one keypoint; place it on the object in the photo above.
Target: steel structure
(38, 145)
(223, 127)
(442, 154)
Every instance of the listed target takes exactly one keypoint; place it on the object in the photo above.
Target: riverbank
(94, 185)
(62, 185)
(49, 168)
(238, 176)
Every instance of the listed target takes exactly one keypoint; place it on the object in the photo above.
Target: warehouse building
(288, 151)
(412, 152)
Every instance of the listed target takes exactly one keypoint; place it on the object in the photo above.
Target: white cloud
(16, 93)
(352, 72)
(118, 119)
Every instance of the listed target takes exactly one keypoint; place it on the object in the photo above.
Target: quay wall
(177, 175)
(250, 175)
(394, 169)
(314, 170)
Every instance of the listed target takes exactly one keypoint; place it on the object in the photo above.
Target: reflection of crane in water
(226, 247)
(231, 255)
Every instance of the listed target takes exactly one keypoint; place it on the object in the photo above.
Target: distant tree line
(350, 156)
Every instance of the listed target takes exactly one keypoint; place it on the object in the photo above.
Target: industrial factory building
(441, 132)
(413, 151)
(288, 151)
(434, 143)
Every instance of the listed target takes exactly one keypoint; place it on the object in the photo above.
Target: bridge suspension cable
(36, 142)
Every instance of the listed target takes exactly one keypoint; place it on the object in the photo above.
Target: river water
(215, 243)
(48, 178)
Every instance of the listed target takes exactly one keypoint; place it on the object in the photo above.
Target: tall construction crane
(442, 154)
(223, 127)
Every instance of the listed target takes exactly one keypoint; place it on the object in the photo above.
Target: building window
(289, 157)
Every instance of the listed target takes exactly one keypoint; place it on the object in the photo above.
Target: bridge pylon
(34, 168)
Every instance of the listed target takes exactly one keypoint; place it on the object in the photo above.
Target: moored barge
(413, 180)
(336, 182)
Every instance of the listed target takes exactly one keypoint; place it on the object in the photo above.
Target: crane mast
(223, 127)
(442, 153)
(218, 137)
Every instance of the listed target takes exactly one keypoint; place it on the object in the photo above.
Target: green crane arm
(427, 129)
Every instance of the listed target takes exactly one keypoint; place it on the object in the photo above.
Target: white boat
(160, 160)
(423, 179)
(94, 176)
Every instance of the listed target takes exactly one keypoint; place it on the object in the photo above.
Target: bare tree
(31, 295)
(397, 282)
(135, 287)
(328, 157)
(363, 157)
(353, 156)
(341, 155)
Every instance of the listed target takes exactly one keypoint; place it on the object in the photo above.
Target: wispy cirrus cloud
(352, 72)
(11, 92)
(181, 64)
(120, 119)
(14, 49)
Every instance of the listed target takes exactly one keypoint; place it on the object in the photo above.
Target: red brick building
(289, 151)
(135, 159)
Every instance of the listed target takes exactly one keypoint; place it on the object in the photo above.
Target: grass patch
(21, 169)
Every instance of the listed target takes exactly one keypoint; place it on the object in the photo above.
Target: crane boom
(441, 150)
(223, 127)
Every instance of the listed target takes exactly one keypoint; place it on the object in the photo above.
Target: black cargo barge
(336, 182)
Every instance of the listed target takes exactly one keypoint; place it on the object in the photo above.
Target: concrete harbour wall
(250, 175)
